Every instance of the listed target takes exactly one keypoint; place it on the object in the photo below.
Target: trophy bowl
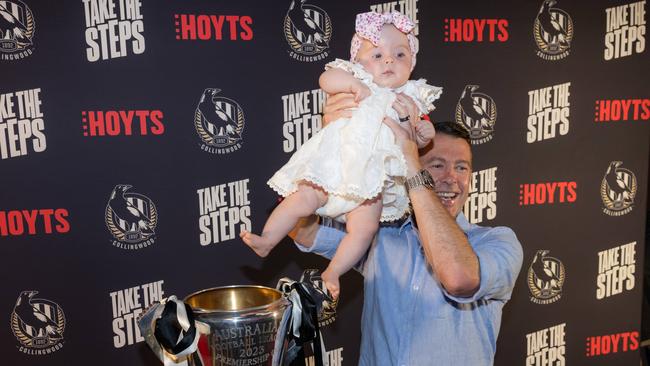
(246, 325)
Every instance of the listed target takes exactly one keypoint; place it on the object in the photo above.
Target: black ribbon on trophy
(173, 332)
(312, 305)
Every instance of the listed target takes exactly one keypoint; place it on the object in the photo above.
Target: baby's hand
(424, 132)
(360, 91)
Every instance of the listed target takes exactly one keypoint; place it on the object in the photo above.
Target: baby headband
(368, 26)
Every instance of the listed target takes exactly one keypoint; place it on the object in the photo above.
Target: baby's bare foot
(260, 245)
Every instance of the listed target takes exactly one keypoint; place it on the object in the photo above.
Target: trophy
(240, 325)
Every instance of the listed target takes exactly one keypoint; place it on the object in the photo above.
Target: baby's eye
(376, 55)
(401, 54)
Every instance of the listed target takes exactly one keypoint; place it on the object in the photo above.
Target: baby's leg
(362, 224)
(304, 202)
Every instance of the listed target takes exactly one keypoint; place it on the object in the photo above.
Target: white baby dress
(355, 159)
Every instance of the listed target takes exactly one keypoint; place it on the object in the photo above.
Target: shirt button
(415, 288)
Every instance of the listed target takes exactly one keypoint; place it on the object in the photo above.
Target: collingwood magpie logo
(17, 28)
(553, 31)
(131, 218)
(545, 278)
(618, 189)
(219, 121)
(478, 113)
(38, 324)
(308, 30)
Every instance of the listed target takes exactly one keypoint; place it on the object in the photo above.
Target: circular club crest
(17, 31)
(618, 189)
(478, 113)
(219, 121)
(307, 28)
(545, 278)
(130, 217)
(553, 31)
(38, 324)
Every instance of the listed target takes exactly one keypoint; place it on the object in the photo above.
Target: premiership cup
(246, 325)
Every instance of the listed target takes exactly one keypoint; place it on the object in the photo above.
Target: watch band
(422, 178)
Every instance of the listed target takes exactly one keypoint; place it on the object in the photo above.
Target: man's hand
(338, 106)
(304, 233)
(406, 108)
(405, 138)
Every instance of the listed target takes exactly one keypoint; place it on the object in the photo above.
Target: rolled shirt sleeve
(500, 258)
(325, 243)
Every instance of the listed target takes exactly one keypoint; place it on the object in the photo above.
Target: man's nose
(450, 176)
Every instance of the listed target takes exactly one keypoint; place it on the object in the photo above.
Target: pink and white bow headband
(368, 26)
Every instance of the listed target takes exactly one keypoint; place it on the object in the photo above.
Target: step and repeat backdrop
(136, 138)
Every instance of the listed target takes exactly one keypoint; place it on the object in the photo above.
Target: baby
(352, 170)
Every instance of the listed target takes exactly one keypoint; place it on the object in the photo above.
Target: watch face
(428, 180)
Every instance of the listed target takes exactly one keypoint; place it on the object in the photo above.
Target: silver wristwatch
(422, 178)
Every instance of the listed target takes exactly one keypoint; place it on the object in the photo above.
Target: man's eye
(436, 166)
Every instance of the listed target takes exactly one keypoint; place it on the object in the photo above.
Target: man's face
(450, 165)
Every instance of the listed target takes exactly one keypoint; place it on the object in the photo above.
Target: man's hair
(452, 129)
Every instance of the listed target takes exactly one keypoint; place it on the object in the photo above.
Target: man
(433, 292)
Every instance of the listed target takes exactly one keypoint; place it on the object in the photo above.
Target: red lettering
(112, 123)
(616, 110)
(3, 224)
(127, 118)
(30, 217)
(594, 346)
(615, 338)
(540, 194)
(203, 24)
(188, 26)
(551, 191)
(634, 338)
(572, 196)
(480, 25)
(503, 30)
(455, 30)
(217, 21)
(244, 22)
(468, 30)
(604, 110)
(143, 121)
(606, 345)
(529, 194)
(63, 225)
(646, 109)
(158, 127)
(47, 219)
(96, 123)
(15, 221)
(233, 20)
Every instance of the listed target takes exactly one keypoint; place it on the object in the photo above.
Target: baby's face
(390, 61)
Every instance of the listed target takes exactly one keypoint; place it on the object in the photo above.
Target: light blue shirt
(408, 317)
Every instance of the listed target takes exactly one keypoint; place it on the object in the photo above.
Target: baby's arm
(336, 80)
(424, 132)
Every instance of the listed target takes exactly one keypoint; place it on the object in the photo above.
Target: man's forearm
(445, 246)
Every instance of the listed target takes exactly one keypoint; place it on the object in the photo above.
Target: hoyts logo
(32, 222)
(476, 30)
(122, 123)
(213, 27)
(622, 110)
(547, 193)
(612, 343)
